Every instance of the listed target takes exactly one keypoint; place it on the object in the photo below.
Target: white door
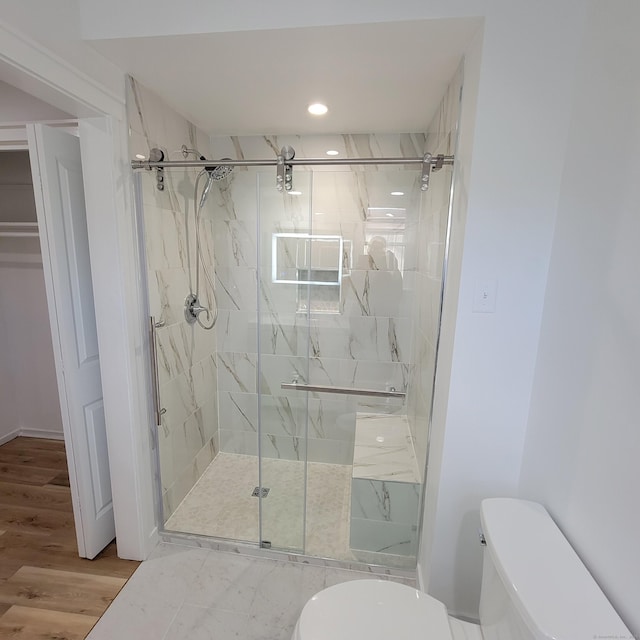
(60, 206)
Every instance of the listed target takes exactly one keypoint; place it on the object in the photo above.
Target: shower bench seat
(385, 486)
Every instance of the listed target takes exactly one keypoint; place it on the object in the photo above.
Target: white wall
(521, 122)
(18, 106)
(32, 406)
(583, 441)
(28, 386)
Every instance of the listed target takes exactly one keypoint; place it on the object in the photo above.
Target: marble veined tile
(221, 504)
(384, 449)
(182, 593)
(383, 537)
(197, 623)
(314, 146)
(152, 597)
(385, 501)
(235, 243)
(237, 372)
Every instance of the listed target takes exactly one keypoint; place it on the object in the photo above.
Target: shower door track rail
(285, 162)
(435, 161)
(321, 388)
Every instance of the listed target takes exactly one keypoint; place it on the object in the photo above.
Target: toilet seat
(372, 610)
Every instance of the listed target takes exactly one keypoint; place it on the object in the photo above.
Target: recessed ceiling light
(379, 439)
(397, 193)
(319, 213)
(317, 109)
(389, 215)
(139, 156)
(294, 193)
(333, 152)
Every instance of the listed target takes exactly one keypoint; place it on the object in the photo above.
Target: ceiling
(375, 78)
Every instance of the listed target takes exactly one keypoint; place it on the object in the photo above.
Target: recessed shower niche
(313, 262)
(314, 381)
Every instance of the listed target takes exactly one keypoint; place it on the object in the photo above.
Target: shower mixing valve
(193, 308)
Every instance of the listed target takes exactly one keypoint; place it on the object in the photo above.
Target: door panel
(60, 205)
(77, 251)
(96, 444)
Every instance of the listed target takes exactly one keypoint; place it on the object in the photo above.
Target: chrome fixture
(284, 170)
(157, 155)
(214, 172)
(284, 164)
(217, 172)
(426, 171)
(158, 410)
(321, 388)
(193, 308)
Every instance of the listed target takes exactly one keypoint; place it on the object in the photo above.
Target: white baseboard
(41, 433)
(9, 436)
(31, 433)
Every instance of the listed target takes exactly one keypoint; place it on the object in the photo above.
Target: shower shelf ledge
(384, 449)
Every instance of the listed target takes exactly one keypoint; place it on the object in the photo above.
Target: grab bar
(159, 412)
(321, 388)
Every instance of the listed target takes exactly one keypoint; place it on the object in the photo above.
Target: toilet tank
(534, 586)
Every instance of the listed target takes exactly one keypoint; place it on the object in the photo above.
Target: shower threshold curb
(253, 550)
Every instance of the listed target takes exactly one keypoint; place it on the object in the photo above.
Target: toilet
(534, 587)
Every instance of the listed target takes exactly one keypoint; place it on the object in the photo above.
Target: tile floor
(221, 505)
(186, 593)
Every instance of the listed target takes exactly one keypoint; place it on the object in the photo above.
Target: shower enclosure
(299, 422)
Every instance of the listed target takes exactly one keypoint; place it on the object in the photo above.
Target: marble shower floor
(221, 505)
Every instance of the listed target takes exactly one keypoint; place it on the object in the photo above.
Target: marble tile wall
(384, 517)
(264, 338)
(431, 239)
(385, 487)
(188, 436)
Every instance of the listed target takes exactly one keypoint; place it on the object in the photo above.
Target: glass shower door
(349, 285)
(283, 345)
(359, 271)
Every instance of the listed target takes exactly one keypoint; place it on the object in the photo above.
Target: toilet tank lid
(551, 588)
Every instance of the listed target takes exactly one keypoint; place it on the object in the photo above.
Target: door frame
(115, 262)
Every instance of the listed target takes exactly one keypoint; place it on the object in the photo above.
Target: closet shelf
(18, 229)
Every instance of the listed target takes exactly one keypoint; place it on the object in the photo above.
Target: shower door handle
(155, 378)
(321, 388)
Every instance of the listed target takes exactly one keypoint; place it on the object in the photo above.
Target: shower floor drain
(260, 493)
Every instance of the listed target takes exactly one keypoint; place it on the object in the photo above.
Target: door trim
(116, 275)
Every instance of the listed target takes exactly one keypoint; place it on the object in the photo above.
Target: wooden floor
(47, 592)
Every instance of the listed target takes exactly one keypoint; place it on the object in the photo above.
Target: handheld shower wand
(192, 306)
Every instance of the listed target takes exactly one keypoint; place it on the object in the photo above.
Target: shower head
(218, 172)
(214, 172)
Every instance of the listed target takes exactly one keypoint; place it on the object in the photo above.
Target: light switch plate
(484, 296)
